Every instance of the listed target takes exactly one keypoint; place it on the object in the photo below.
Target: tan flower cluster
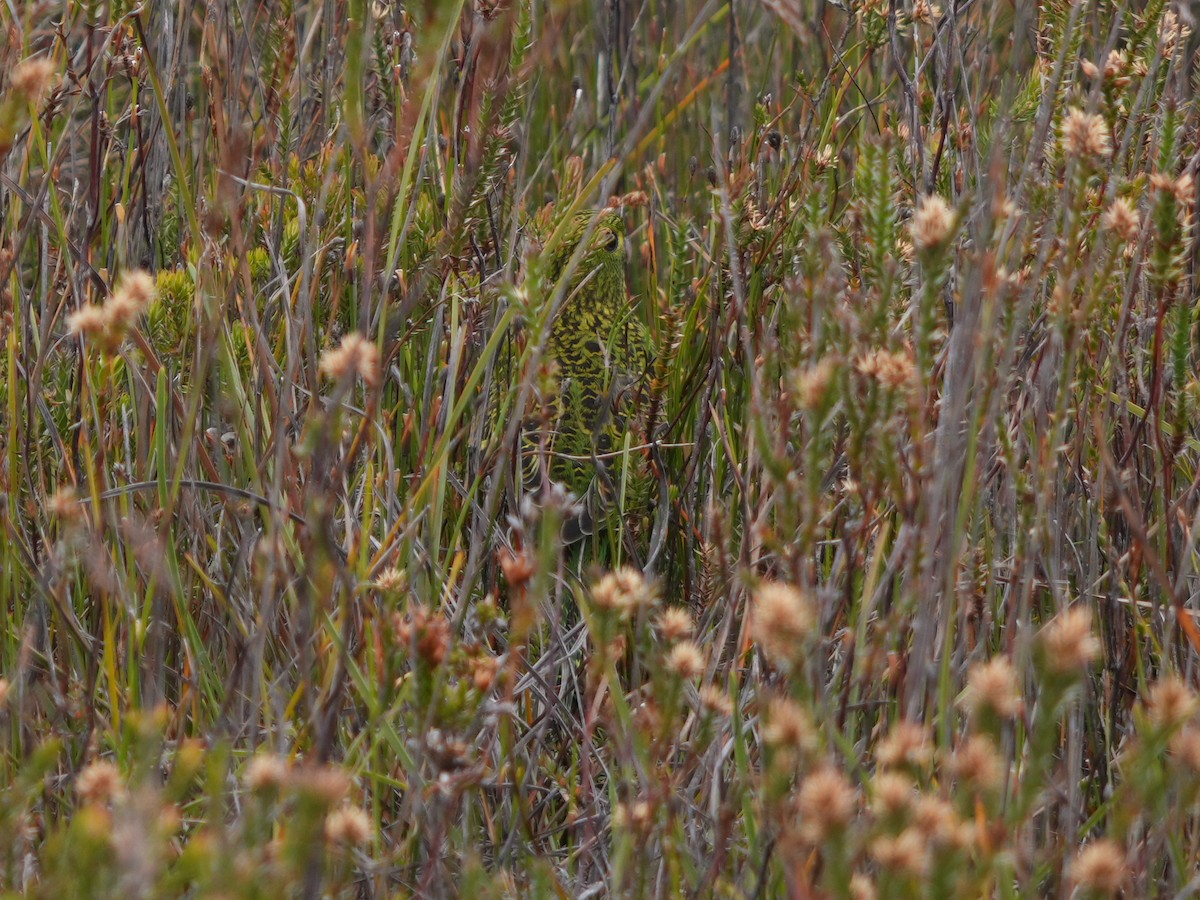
(1172, 31)
(862, 888)
(754, 217)
(925, 12)
(892, 369)
(425, 633)
(1169, 703)
(633, 198)
(1185, 749)
(787, 726)
(1183, 188)
(108, 323)
(824, 158)
(1085, 135)
(892, 796)
(326, 784)
(1122, 220)
(1100, 867)
(1063, 301)
(393, 580)
(907, 744)
(1116, 68)
(484, 669)
(826, 803)
(135, 292)
(99, 782)
(674, 624)
(64, 505)
(1003, 208)
(637, 815)
(32, 78)
(716, 700)
(932, 223)
(1068, 643)
(812, 384)
(936, 819)
(781, 620)
(623, 591)
(976, 763)
(907, 852)
(686, 660)
(266, 772)
(992, 687)
(348, 825)
(355, 355)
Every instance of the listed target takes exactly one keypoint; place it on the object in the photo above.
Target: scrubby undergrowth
(915, 613)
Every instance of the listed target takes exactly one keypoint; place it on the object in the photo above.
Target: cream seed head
(907, 744)
(266, 772)
(976, 763)
(1169, 703)
(137, 288)
(107, 324)
(64, 505)
(788, 726)
(1183, 188)
(892, 795)
(1122, 219)
(624, 590)
(99, 782)
(935, 818)
(1068, 643)
(675, 623)
(1172, 31)
(393, 580)
(637, 815)
(992, 687)
(134, 294)
(1185, 749)
(1099, 867)
(826, 804)
(354, 356)
(811, 385)
(716, 700)
(1117, 64)
(89, 322)
(932, 223)
(327, 784)
(862, 887)
(892, 369)
(1085, 135)
(907, 852)
(781, 620)
(348, 825)
(32, 78)
(925, 12)
(686, 660)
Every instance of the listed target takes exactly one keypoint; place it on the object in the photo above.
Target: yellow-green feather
(602, 354)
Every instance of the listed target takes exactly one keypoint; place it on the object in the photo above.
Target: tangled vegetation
(894, 589)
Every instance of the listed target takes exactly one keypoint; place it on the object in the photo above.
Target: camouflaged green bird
(601, 351)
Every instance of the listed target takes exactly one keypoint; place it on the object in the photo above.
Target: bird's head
(602, 262)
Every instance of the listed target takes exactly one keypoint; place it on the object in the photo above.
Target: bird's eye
(612, 242)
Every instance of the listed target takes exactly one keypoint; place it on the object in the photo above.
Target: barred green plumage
(602, 353)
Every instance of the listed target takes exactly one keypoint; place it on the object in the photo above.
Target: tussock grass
(917, 609)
